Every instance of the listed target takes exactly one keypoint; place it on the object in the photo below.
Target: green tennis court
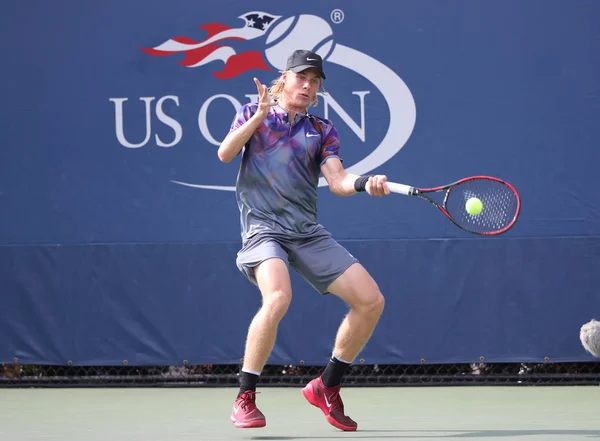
(199, 414)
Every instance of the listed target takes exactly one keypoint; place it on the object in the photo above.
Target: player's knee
(277, 303)
(371, 304)
(377, 304)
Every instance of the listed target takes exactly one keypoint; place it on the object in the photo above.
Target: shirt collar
(299, 116)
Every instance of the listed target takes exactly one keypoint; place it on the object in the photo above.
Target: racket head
(501, 204)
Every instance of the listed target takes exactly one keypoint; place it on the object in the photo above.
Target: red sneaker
(329, 401)
(245, 414)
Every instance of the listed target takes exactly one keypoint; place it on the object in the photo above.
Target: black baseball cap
(302, 59)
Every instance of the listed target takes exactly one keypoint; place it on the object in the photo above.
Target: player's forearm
(345, 185)
(235, 140)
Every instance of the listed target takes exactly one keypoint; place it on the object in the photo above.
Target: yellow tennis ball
(474, 206)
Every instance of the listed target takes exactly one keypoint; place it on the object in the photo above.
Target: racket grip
(400, 188)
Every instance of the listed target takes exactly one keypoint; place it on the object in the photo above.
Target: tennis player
(284, 150)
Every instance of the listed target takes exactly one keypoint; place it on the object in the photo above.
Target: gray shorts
(319, 259)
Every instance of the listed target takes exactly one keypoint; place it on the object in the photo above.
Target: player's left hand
(377, 186)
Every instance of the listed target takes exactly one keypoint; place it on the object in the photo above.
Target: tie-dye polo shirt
(276, 187)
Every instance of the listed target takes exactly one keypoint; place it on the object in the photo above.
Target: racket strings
(500, 205)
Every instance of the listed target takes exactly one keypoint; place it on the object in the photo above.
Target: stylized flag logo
(199, 53)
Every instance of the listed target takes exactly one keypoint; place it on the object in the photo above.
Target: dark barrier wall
(119, 229)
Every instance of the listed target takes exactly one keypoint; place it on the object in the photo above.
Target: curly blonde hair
(278, 84)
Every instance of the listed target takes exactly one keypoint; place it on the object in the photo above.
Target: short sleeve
(243, 114)
(331, 144)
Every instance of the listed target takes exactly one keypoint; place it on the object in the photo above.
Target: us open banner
(120, 225)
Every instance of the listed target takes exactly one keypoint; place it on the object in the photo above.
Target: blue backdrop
(119, 228)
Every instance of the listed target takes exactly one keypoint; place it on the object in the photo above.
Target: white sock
(251, 372)
(340, 359)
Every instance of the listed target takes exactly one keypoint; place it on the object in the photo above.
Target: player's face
(301, 88)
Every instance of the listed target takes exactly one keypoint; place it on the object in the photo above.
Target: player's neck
(290, 109)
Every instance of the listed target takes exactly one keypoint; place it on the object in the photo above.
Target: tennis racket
(501, 203)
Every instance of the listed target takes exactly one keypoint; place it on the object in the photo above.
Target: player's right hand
(264, 100)
(377, 186)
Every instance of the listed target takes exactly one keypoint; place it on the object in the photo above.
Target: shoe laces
(248, 400)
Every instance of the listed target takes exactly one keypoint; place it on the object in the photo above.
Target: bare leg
(361, 293)
(275, 286)
(358, 289)
(274, 282)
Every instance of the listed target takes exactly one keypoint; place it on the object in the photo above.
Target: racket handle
(400, 188)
